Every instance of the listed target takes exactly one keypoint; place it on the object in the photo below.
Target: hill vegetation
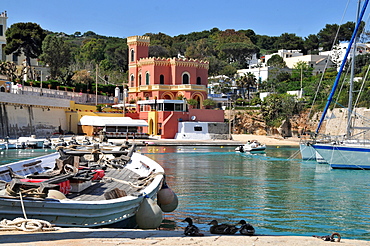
(73, 58)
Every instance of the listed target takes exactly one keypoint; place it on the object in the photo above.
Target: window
(197, 128)
(132, 80)
(199, 81)
(15, 58)
(185, 78)
(161, 79)
(132, 55)
(178, 107)
(139, 79)
(1, 30)
(147, 77)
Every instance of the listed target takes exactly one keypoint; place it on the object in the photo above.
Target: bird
(246, 228)
(191, 230)
(330, 237)
(222, 228)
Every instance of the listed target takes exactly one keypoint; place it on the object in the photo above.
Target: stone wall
(22, 115)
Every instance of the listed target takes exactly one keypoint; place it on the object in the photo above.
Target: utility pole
(96, 85)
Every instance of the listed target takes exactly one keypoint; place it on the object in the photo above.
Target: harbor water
(275, 191)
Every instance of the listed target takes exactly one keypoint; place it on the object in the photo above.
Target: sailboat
(346, 153)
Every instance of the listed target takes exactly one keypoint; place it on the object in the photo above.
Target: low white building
(318, 62)
(338, 52)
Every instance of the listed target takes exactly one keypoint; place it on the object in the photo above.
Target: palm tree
(251, 81)
(245, 82)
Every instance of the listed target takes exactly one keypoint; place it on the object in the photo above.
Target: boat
(345, 152)
(30, 142)
(251, 146)
(308, 153)
(80, 188)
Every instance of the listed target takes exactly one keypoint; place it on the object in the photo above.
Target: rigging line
(328, 57)
(362, 86)
(335, 85)
(344, 80)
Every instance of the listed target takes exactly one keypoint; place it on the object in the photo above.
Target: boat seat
(5, 175)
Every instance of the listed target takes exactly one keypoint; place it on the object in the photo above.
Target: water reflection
(278, 195)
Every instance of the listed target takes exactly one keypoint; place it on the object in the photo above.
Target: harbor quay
(237, 140)
(108, 237)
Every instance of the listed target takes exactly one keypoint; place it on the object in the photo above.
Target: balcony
(187, 87)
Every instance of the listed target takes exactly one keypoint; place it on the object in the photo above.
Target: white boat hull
(308, 153)
(118, 212)
(346, 156)
(248, 148)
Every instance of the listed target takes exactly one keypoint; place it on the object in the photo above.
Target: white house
(338, 52)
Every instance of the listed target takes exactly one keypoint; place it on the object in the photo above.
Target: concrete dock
(110, 237)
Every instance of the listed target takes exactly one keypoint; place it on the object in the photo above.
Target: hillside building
(161, 87)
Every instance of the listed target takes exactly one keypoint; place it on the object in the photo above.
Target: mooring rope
(21, 224)
(147, 180)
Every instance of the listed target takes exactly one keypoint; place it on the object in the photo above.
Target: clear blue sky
(124, 18)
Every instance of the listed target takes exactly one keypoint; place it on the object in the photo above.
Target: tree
(276, 61)
(9, 69)
(246, 81)
(301, 70)
(277, 107)
(56, 54)
(289, 41)
(311, 43)
(93, 51)
(201, 49)
(209, 103)
(158, 51)
(25, 38)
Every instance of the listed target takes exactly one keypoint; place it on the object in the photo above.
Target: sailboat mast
(350, 93)
(335, 85)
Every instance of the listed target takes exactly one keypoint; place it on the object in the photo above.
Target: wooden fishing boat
(81, 188)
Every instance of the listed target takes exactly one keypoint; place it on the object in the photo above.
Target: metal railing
(78, 97)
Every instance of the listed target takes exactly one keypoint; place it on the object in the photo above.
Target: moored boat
(76, 188)
(348, 153)
(251, 146)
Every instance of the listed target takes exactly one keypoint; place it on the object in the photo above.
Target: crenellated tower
(138, 47)
(3, 21)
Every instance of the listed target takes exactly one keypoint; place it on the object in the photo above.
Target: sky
(124, 18)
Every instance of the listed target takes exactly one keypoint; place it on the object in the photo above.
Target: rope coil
(29, 225)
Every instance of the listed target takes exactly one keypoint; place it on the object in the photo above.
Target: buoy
(165, 195)
(172, 206)
(277, 146)
(149, 215)
(195, 148)
(222, 147)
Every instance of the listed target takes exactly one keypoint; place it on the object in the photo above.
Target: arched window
(132, 55)
(147, 77)
(161, 79)
(199, 81)
(132, 79)
(139, 79)
(185, 78)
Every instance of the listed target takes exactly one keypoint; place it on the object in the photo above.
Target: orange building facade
(164, 78)
(152, 80)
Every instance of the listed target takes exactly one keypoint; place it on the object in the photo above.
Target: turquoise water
(20, 154)
(278, 195)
